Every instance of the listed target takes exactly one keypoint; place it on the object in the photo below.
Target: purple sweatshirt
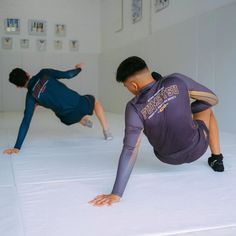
(163, 112)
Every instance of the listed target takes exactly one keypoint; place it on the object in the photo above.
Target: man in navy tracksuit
(46, 90)
(178, 130)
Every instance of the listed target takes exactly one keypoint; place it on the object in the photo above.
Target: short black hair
(129, 67)
(18, 77)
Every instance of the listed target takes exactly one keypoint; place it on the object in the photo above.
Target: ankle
(216, 155)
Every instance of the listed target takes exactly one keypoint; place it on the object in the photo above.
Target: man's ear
(134, 86)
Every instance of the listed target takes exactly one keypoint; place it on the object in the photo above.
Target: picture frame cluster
(137, 8)
(38, 28)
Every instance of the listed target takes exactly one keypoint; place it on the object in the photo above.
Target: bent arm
(57, 74)
(133, 131)
(24, 127)
(204, 97)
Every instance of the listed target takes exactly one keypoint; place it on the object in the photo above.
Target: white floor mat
(44, 190)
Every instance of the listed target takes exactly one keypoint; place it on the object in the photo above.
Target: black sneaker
(216, 162)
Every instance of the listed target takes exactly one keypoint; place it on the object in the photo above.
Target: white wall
(195, 37)
(225, 66)
(178, 11)
(198, 40)
(82, 18)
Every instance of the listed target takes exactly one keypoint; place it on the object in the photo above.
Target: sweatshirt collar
(147, 87)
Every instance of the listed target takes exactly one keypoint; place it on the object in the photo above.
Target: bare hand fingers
(103, 199)
(99, 201)
(7, 152)
(99, 197)
(10, 151)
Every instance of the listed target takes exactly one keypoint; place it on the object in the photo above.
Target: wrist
(116, 196)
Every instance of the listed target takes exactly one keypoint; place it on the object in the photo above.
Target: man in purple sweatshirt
(178, 130)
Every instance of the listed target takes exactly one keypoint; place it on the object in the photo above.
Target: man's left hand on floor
(102, 200)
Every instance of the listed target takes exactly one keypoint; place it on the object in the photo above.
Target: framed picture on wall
(58, 44)
(60, 29)
(136, 10)
(24, 43)
(41, 45)
(74, 45)
(12, 26)
(37, 27)
(160, 4)
(7, 42)
(118, 16)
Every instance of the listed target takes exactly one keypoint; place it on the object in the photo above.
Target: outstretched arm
(133, 131)
(204, 97)
(28, 114)
(57, 74)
